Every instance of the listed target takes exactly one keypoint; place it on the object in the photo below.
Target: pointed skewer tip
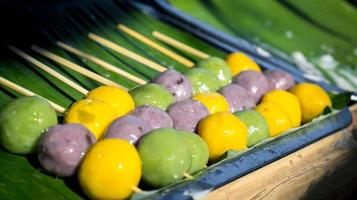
(136, 189)
(187, 176)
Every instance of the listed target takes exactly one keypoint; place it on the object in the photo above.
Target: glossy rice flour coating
(152, 94)
(62, 147)
(237, 97)
(156, 117)
(219, 68)
(129, 127)
(202, 80)
(175, 82)
(254, 82)
(23, 121)
(279, 80)
(186, 114)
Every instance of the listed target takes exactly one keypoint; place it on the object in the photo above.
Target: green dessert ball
(202, 80)
(153, 95)
(165, 157)
(23, 121)
(257, 127)
(199, 150)
(219, 68)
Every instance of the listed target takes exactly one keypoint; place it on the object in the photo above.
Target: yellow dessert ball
(288, 101)
(313, 100)
(239, 62)
(110, 170)
(213, 101)
(93, 114)
(223, 131)
(117, 97)
(276, 117)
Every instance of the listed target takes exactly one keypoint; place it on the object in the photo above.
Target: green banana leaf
(336, 17)
(323, 32)
(22, 73)
(21, 176)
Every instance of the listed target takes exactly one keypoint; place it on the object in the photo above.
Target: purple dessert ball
(175, 82)
(128, 127)
(62, 147)
(156, 117)
(186, 114)
(253, 82)
(279, 80)
(237, 97)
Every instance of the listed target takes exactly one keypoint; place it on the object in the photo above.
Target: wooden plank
(303, 174)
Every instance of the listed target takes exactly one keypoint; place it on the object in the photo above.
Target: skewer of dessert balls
(49, 70)
(100, 62)
(61, 148)
(26, 92)
(154, 45)
(108, 113)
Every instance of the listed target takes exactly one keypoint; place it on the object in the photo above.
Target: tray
(241, 164)
(263, 154)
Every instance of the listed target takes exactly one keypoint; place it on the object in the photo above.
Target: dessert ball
(239, 62)
(118, 98)
(110, 170)
(279, 80)
(186, 114)
(130, 128)
(23, 121)
(254, 82)
(219, 68)
(198, 148)
(313, 100)
(202, 80)
(257, 127)
(165, 157)
(213, 101)
(155, 117)
(222, 132)
(276, 117)
(237, 97)
(152, 94)
(175, 82)
(62, 147)
(95, 115)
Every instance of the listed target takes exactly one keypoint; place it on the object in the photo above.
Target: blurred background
(316, 40)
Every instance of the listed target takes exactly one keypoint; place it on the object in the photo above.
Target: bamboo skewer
(76, 67)
(48, 70)
(155, 45)
(179, 45)
(187, 176)
(27, 92)
(126, 52)
(101, 63)
(136, 189)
